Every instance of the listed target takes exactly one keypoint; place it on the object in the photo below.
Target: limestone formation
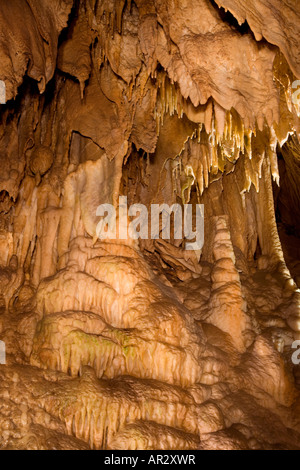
(130, 343)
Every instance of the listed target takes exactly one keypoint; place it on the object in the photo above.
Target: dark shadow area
(228, 18)
(287, 205)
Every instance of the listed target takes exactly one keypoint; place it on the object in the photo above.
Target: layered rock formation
(142, 344)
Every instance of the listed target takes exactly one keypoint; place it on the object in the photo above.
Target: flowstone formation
(142, 344)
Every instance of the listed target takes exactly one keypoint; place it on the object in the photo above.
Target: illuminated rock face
(141, 344)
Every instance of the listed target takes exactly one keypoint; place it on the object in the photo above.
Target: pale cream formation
(140, 344)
